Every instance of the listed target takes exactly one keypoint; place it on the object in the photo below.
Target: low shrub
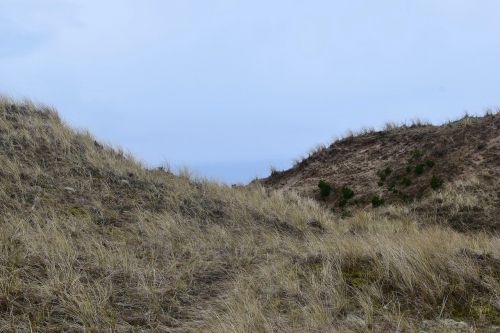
(274, 171)
(406, 181)
(436, 182)
(324, 188)
(383, 175)
(417, 153)
(347, 193)
(419, 169)
(377, 201)
(429, 163)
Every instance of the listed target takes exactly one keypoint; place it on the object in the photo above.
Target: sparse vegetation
(429, 163)
(273, 170)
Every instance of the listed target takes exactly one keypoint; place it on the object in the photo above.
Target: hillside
(402, 164)
(91, 240)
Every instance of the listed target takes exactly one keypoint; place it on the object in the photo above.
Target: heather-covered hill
(409, 165)
(91, 240)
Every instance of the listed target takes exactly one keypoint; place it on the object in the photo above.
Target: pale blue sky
(230, 87)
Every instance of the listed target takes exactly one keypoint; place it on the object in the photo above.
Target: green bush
(383, 175)
(418, 153)
(419, 169)
(408, 169)
(377, 201)
(429, 163)
(347, 193)
(406, 181)
(436, 182)
(324, 188)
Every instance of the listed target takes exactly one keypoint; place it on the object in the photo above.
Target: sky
(229, 88)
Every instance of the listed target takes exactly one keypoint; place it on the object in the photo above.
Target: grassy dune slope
(399, 163)
(92, 240)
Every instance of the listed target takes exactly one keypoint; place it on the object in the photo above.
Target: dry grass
(464, 150)
(93, 241)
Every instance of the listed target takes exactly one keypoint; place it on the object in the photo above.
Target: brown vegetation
(93, 241)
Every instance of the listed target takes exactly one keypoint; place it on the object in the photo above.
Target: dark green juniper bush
(324, 188)
(347, 193)
(436, 182)
(419, 169)
(377, 201)
(406, 181)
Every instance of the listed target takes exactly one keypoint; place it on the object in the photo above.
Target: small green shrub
(377, 201)
(417, 153)
(406, 181)
(408, 169)
(347, 193)
(324, 188)
(429, 163)
(419, 169)
(436, 182)
(383, 175)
